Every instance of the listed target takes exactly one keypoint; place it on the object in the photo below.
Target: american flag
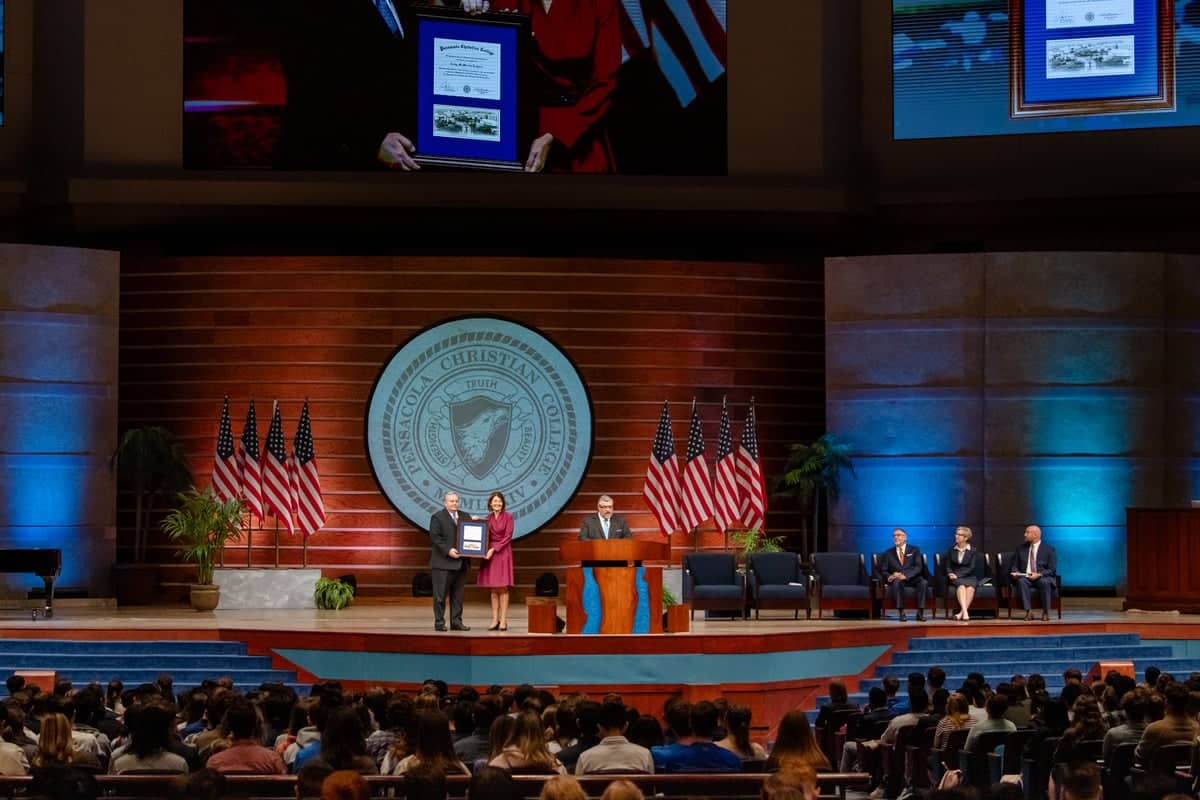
(750, 476)
(728, 511)
(687, 39)
(310, 505)
(277, 490)
(250, 466)
(226, 477)
(661, 488)
(697, 491)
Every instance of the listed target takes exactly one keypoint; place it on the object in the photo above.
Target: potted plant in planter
(149, 461)
(202, 525)
(675, 614)
(332, 594)
(812, 475)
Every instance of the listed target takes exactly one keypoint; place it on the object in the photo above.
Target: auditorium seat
(776, 581)
(841, 583)
(712, 582)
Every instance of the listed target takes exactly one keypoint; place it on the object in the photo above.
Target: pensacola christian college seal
(477, 405)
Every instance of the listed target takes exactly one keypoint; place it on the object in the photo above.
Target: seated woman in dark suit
(963, 569)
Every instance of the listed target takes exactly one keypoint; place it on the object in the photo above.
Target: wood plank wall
(195, 329)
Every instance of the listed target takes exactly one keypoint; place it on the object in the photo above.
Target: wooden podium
(611, 591)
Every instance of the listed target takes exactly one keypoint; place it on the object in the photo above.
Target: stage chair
(1013, 597)
(987, 593)
(881, 588)
(711, 582)
(841, 583)
(776, 581)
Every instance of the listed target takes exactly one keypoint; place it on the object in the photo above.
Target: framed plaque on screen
(473, 108)
(1087, 57)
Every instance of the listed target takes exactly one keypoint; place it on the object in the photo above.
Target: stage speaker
(353, 581)
(546, 585)
(422, 585)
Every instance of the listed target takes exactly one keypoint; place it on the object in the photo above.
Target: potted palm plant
(812, 475)
(202, 525)
(149, 462)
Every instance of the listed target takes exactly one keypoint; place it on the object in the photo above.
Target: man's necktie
(389, 18)
(1032, 560)
(900, 555)
(604, 522)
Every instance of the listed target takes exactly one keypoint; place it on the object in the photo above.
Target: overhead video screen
(991, 67)
(566, 86)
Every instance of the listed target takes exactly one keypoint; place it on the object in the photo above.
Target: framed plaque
(1087, 57)
(470, 75)
(472, 538)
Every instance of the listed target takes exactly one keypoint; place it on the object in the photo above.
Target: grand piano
(46, 563)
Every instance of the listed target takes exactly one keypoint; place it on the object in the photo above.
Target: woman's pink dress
(498, 571)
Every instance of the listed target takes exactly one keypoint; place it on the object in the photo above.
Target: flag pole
(304, 551)
(249, 538)
(277, 542)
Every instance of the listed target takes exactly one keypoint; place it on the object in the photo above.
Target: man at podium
(604, 524)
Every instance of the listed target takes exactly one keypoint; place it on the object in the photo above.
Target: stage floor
(413, 617)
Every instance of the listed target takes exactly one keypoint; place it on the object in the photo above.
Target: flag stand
(304, 552)
(276, 542)
(250, 539)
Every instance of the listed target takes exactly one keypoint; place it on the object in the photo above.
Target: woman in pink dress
(497, 570)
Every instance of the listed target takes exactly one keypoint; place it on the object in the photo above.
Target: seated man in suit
(903, 566)
(1034, 565)
(604, 524)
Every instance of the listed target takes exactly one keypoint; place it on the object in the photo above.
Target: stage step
(998, 658)
(188, 662)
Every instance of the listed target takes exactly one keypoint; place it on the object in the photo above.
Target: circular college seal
(478, 405)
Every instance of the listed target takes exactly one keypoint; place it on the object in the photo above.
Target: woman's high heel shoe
(495, 626)
(504, 627)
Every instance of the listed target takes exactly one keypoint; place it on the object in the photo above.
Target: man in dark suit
(604, 524)
(902, 565)
(1034, 565)
(349, 71)
(447, 568)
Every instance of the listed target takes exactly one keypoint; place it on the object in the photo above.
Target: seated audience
(839, 700)
(474, 746)
(1086, 725)
(697, 752)
(797, 782)
(434, 750)
(13, 759)
(150, 728)
(1177, 725)
(622, 790)
(245, 752)
(916, 682)
(646, 731)
(957, 717)
(997, 705)
(493, 783)
(796, 746)
(1136, 705)
(309, 779)
(343, 744)
(1082, 782)
(204, 784)
(876, 711)
(562, 787)
(587, 722)
(396, 717)
(614, 752)
(526, 751)
(345, 784)
(737, 735)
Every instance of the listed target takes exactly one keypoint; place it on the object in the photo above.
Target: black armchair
(841, 583)
(776, 581)
(711, 582)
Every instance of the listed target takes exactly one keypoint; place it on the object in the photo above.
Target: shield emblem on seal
(480, 427)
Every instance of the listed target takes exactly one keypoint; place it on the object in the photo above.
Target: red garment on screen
(577, 50)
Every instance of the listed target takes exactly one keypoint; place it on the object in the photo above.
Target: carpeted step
(923, 659)
(171, 662)
(1018, 643)
(104, 647)
(242, 678)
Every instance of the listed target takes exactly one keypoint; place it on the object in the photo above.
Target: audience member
(343, 744)
(622, 790)
(614, 752)
(1136, 705)
(473, 747)
(345, 784)
(737, 735)
(562, 787)
(150, 727)
(997, 705)
(1175, 726)
(1082, 782)
(434, 749)
(839, 700)
(525, 750)
(798, 781)
(203, 784)
(891, 685)
(13, 759)
(493, 783)
(646, 731)
(309, 779)
(697, 752)
(1086, 725)
(245, 752)
(916, 681)
(795, 745)
(957, 717)
(587, 721)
